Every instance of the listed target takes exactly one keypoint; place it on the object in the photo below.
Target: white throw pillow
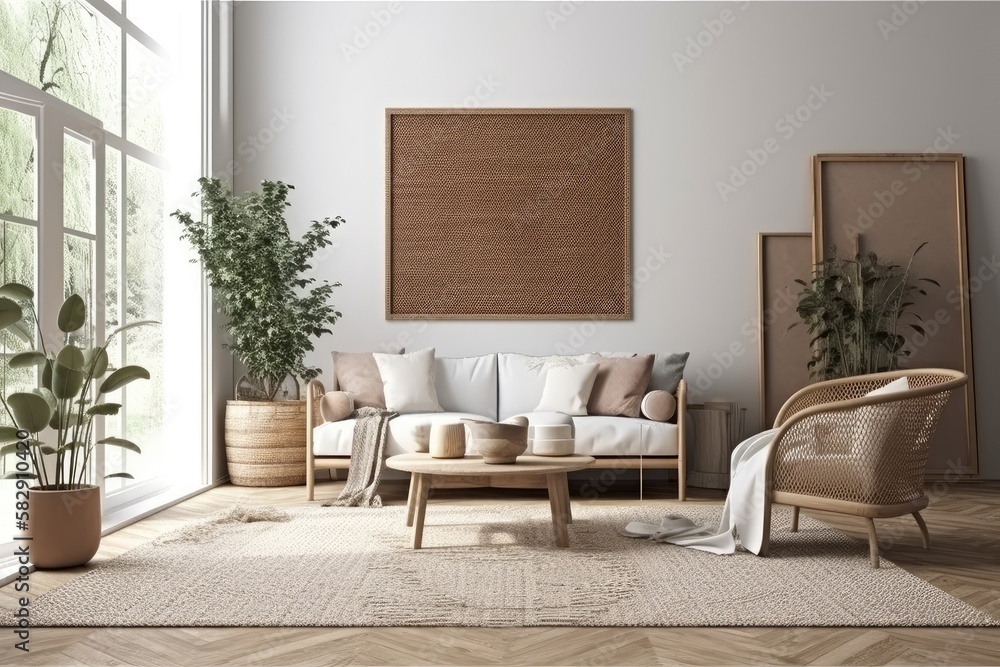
(567, 389)
(408, 381)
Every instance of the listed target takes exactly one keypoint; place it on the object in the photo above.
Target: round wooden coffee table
(530, 472)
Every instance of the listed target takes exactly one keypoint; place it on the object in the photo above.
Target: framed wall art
(508, 214)
(890, 203)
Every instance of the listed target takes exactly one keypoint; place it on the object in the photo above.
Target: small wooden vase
(447, 441)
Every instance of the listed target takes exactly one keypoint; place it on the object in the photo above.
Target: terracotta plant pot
(64, 525)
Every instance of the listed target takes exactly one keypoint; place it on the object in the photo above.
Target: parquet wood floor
(964, 520)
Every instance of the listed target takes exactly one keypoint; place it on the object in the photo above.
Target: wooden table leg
(423, 488)
(411, 498)
(557, 503)
(566, 502)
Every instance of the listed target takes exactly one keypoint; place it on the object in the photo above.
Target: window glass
(146, 90)
(17, 165)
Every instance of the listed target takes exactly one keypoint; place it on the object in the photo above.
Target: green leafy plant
(67, 398)
(258, 275)
(854, 308)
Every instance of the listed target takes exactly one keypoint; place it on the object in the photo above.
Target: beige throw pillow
(357, 374)
(620, 385)
(658, 406)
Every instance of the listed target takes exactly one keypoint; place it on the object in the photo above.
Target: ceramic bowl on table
(497, 443)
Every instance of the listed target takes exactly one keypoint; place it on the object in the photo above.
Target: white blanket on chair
(742, 515)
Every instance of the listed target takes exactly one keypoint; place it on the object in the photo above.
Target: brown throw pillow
(621, 383)
(357, 374)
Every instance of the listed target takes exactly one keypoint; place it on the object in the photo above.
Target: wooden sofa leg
(310, 481)
(873, 542)
(924, 535)
(795, 519)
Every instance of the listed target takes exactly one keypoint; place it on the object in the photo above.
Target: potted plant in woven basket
(51, 440)
(274, 311)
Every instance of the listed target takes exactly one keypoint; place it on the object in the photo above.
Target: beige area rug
(488, 566)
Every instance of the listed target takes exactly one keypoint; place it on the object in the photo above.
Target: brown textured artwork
(508, 214)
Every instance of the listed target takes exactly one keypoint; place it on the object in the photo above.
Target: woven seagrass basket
(266, 443)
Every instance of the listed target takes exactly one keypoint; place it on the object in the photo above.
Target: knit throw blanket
(370, 434)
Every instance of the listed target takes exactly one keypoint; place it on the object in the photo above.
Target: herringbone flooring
(964, 521)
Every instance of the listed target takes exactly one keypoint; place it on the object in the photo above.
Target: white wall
(309, 114)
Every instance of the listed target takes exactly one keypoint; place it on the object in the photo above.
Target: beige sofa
(496, 387)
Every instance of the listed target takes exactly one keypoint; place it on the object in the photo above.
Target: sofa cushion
(620, 385)
(624, 436)
(567, 389)
(408, 381)
(614, 436)
(522, 379)
(358, 374)
(336, 438)
(467, 384)
(668, 369)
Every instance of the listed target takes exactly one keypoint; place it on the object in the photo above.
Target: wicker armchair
(840, 451)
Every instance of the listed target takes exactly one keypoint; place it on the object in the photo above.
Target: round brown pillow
(336, 405)
(658, 405)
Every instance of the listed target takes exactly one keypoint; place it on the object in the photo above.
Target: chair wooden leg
(923, 530)
(873, 542)
(765, 544)
(795, 519)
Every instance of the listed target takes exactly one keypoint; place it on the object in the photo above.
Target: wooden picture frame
(890, 203)
(784, 354)
(508, 214)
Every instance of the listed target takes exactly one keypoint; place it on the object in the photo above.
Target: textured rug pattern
(488, 566)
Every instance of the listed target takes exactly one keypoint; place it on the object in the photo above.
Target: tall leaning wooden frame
(890, 203)
(508, 214)
(783, 353)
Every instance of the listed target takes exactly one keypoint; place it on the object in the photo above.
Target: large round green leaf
(31, 411)
(121, 442)
(26, 359)
(10, 313)
(122, 377)
(17, 291)
(71, 357)
(96, 359)
(66, 382)
(73, 314)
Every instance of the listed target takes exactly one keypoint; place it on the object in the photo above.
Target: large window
(100, 137)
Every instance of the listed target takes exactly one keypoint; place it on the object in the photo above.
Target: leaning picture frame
(890, 204)
(784, 351)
